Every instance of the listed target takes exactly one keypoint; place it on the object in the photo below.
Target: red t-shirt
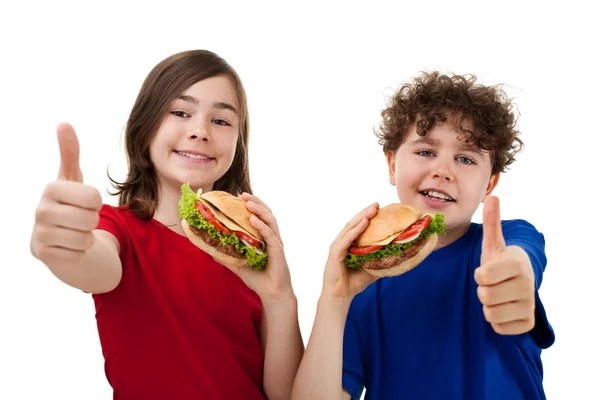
(178, 325)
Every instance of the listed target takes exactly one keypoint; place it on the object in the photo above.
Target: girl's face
(197, 138)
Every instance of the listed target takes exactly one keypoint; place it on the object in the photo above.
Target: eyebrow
(217, 104)
(433, 142)
(424, 140)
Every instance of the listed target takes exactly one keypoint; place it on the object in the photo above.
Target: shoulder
(121, 212)
(511, 228)
(519, 230)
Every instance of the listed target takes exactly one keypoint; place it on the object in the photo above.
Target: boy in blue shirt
(468, 322)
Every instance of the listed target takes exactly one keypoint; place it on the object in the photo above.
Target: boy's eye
(221, 122)
(425, 153)
(181, 114)
(465, 160)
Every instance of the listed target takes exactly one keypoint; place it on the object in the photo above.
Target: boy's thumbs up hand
(68, 211)
(505, 278)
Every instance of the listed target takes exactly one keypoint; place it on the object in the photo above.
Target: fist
(68, 211)
(505, 279)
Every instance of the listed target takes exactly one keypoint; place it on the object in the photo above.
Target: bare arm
(282, 345)
(280, 333)
(64, 235)
(95, 270)
(320, 373)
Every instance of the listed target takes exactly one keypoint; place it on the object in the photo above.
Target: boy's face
(441, 173)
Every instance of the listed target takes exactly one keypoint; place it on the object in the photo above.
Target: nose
(200, 132)
(443, 171)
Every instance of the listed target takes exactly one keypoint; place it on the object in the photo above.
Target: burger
(219, 224)
(396, 240)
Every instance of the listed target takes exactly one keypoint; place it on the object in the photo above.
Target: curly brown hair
(432, 97)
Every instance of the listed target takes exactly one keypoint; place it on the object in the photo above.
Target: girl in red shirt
(173, 323)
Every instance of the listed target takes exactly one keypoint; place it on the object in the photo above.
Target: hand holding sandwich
(240, 233)
(505, 278)
(275, 282)
(377, 242)
(339, 281)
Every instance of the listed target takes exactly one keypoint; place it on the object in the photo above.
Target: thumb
(69, 153)
(493, 239)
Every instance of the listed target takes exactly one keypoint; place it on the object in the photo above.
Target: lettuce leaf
(188, 211)
(395, 249)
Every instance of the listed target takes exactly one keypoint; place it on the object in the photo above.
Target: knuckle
(42, 212)
(45, 254)
(487, 274)
(92, 198)
(498, 329)
(51, 190)
(484, 295)
(489, 313)
(91, 221)
(42, 234)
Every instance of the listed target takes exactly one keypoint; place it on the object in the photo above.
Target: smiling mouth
(434, 195)
(193, 156)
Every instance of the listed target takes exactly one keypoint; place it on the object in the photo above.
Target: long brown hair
(167, 80)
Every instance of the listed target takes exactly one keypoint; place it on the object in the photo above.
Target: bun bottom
(217, 255)
(409, 264)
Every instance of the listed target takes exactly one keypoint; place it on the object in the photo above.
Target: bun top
(389, 221)
(234, 208)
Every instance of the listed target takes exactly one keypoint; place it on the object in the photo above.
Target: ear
(391, 161)
(492, 183)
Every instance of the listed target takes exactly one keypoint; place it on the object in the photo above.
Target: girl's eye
(425, 153)
(221, 122)
(181, 114)
(465, 160)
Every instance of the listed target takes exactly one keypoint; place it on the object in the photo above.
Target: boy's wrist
(334, 303)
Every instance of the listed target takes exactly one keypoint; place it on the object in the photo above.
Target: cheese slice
(228, 222)
(389, 239)
(386, 241)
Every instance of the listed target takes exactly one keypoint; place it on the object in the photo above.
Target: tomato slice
(206, 213)
(249, 239)
(414, 229)
(364, 250)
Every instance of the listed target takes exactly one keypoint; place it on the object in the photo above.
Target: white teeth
(433, 193)
(190, 155)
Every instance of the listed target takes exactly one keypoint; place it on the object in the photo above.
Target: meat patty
(390, 261)
(228, 249)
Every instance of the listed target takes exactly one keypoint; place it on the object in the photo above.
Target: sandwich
(219, 224)
(398, 238)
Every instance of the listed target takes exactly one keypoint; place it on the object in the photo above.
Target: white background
(316, 77)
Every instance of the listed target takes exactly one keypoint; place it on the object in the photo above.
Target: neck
(452, 235)
(167, 212)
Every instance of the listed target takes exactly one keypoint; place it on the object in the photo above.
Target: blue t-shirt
(422, 335)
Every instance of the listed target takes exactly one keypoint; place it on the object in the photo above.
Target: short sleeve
(353, 370)
(111, 222)
(521, 233)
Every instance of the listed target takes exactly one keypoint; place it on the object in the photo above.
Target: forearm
(96, 270)
(320, 373)
(283, 346)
